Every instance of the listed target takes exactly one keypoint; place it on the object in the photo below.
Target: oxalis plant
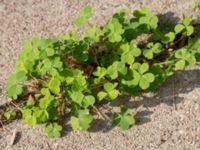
(71, 75)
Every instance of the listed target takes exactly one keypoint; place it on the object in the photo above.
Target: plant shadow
(168, 94)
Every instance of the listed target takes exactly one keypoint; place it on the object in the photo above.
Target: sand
(165, 122)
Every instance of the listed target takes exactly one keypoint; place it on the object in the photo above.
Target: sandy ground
(165, 123)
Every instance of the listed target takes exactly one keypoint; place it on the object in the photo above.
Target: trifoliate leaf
(128, 53)
(13, 86)
(152, 49)
(122, 16)
(93, 34)
(145, 17)
(83, 16)
(9, 115)
(116, 68)
(123, 119)
(114, 31)
(185, 55)
(127, 58)
(168, 37)
(14, 90)
(140, 76)
(41, 115)
(100, 72)
(31, 120)
(132, 78)
(186, 28)
(82, 121)
(53, 130)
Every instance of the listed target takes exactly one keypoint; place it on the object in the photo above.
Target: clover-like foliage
(70, 76)
(53, 130)
(123, 119)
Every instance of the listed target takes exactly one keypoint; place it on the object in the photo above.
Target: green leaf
(79, 84)
(88, 101)
(122, 16)
(145, 80)
(116, 68)
(152, 48)
(185, 57)
(100, 72)
(50, 51)
(77, 97)
(143, 68)
(53, 130)
(148, 54)
(14, 91)
(123, 119)
(126, 121)
(149, 77)
(190, 30)
(46, 101)
(82, 121)
(109, 86)
(94, 34)
(10, 115)
(144, 84)
(186, 28)
(41, 115)
(113, 94)
(54, 85)
(128, 53)
(45, 91)
(84, 15)
(31, 120)
(191, 60)
(114, 31)
(180, 65)
(145, 17)
(179, 28)
(187, 20)
(169, 37)
(194, 43)
(57, 63)
(101, 95)
(16, 77)
(13, 87)
(127, 58)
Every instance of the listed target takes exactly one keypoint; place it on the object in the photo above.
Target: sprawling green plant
(71, 74)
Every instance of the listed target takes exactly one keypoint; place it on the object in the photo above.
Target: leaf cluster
(68, 76)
